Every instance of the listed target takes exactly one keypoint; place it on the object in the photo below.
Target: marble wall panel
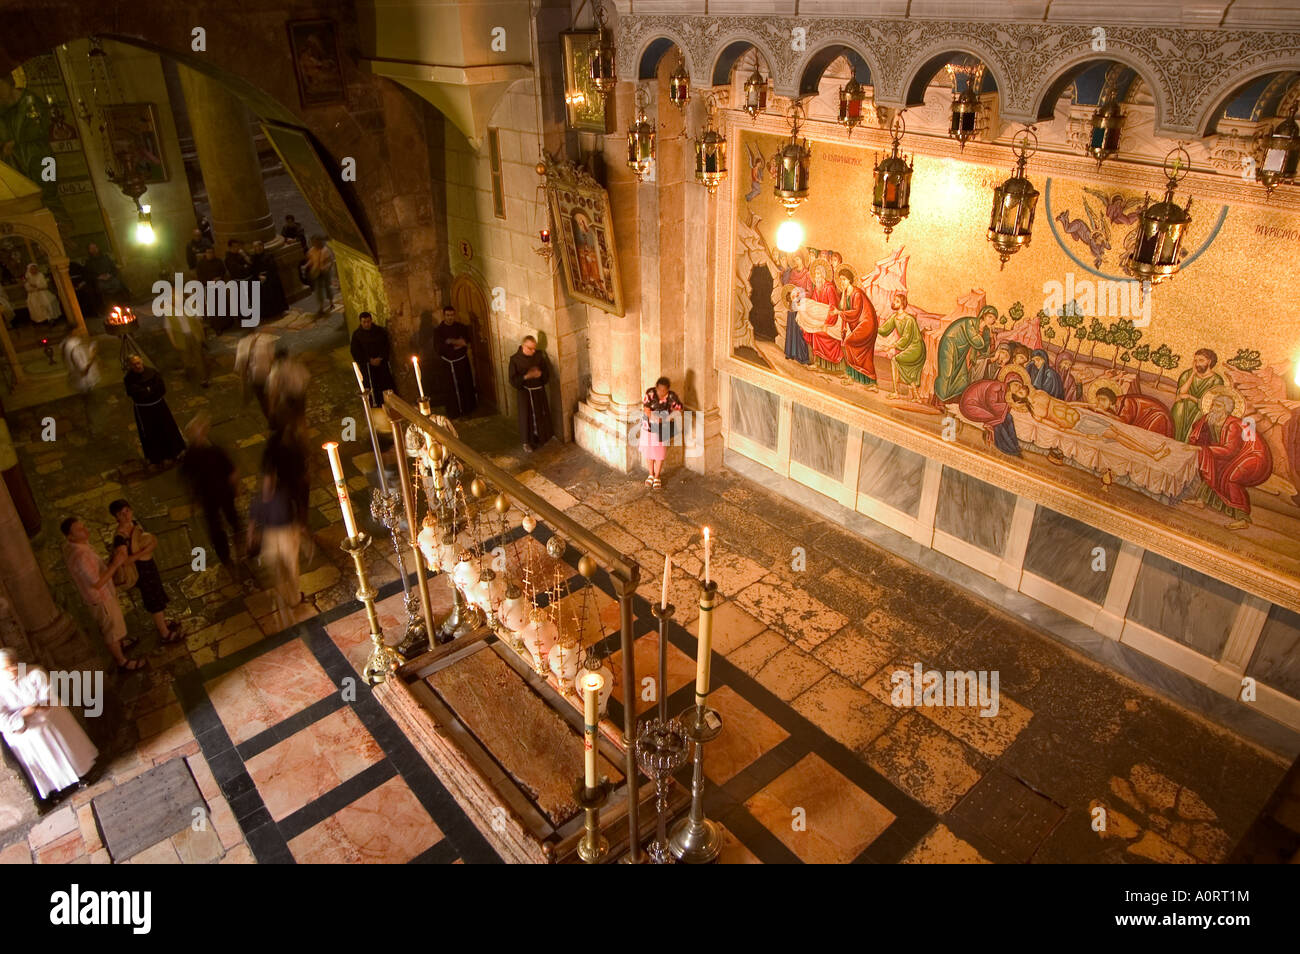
(1183, 604)
(755, 413)
(973, 511)
(818, 441)
(891, 474)
(1277, 654)
(1061, 551)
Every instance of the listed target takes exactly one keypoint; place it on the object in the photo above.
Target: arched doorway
(471, 305)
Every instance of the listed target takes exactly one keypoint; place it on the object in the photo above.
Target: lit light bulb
(789, 236)
(144, 233)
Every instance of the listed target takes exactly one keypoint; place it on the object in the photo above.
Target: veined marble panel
(1277, 654)
(1061, 551)
(891, 474)
(755, 413)
(1183, 604)
(818, 441)
(973, 511)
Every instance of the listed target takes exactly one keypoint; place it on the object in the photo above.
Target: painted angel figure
(1095, 233)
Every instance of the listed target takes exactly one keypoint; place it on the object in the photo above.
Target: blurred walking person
(213, 480)
(274, 536)
(318, 265)
(79, 354)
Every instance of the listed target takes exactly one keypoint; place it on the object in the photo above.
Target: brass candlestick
(594, 847)
(384, 660)
(695, 839)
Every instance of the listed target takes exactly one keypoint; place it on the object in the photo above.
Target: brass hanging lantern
(755, 92)
(641, 138)
(1103, 139)
(601, 67)
(1011, 225)
(679, 86)
(965, 103)
(711, 151)
(852, 98)
(792, 166)
(1157, 253)
(1281, 155)
(893, 185)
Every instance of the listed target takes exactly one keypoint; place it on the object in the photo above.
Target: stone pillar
(67, 294)
(51, 632)
(598, 357)
(228, 160)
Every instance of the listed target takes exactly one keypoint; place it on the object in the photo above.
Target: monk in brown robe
(529, 374)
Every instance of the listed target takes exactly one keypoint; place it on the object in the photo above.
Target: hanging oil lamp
(1012, 222)
(965, 104)
(600, 69)
(1103, 139)
(641, 138)
(711, 151)
(755, 92)
(893, 185)
(1157, 254)
(1281, 154)
(852, 97)
(679, 85)
(792, 166)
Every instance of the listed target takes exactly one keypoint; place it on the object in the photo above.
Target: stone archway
(471, 304)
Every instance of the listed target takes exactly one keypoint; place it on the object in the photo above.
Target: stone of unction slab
(539, 750)
(150, 807)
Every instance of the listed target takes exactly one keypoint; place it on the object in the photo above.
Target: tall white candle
(704, 649)
(361, 382)
(419, 381)
(668, 569)
(706, 554)
(592, 683)
(341, 487)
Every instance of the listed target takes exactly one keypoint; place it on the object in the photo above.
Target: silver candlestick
(386, 508)
(695, 839)
(661, 749)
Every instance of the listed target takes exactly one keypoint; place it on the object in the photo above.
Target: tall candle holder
(594, 847)
(384, 659)
(695, 839)
(661, 746)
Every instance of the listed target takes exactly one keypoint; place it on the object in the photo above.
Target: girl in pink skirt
(663, 414)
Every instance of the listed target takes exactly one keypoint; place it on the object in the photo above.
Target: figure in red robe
(988, 403)
(1232, 458)
(1142, 411)
(861, 326)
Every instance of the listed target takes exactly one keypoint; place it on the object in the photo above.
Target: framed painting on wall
(300, 157)
(585, 109)
(584, 232)
(132, 132)
(315, 49)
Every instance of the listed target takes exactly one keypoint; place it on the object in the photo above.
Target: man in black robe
(529, 374)
(160, 438)
(194, 248)
(87, 291)
(370, 350)
(238, 265)
(451, 338)
(108, 280)
(294, 232)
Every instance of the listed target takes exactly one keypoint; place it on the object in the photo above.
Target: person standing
(94, 580)
(79, 354)
(253, 358)
(86, 289)
(663, 415)
(272, 298)
(132, 541)
(286, 391)
(194, 248)
(205, 229)
(213, 480)
(187, 335)
(109, 281)
(529, 373)
(294, 232)
(160, 438)
(238, 265)
(907, 356)
(319, 262)
(212, 269)
(274, 535)
(370, 350)
(452, 337)
(45, 737)
(42, 306)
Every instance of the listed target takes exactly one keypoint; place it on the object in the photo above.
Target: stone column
(598, 357)
(68, 294)
(51, 632)
(228, 160)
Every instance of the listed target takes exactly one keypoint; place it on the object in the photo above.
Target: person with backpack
(140, 571)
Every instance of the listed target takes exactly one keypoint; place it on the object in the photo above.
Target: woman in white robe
(41, 303)
(45, 737)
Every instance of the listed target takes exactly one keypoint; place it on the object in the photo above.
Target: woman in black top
(663, 417)
(150, 583)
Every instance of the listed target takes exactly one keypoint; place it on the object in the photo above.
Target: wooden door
(471, 306)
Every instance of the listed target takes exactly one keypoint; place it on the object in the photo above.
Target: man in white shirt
(94, 580)
(320, 260)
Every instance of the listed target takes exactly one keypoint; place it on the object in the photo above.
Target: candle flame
(328, 445)
(593, 680)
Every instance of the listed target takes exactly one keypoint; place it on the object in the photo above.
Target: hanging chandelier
(1103, 138)
(792, 172)
(852, 97)
(711, 151)
(1157, 254)
(965, 104)
(679, 85)
(106, 92)
(601, 67)
(893, 185)
(755, 91)
(1012, 222)
(641, 138)
(1281, 155)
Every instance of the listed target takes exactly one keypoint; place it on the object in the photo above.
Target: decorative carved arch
(653, 51)
(1214, 102)
(1049, 90)
(828, 49)
(731, 49)
(51, 245)
(918, 71)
